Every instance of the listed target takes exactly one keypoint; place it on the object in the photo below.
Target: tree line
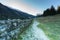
(50, 11)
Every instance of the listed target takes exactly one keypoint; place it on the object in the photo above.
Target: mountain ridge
(9, 13)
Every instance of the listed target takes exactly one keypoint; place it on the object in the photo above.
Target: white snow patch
(34, 33)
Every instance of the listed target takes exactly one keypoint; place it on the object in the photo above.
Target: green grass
(23, 31)
(51, 26)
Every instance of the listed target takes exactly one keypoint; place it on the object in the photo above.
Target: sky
(31, 6)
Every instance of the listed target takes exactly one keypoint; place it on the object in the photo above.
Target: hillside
(51, 26)
(9, 13)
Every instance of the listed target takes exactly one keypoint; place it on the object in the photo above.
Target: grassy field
(51, 26)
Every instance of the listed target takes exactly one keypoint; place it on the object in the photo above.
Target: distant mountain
(9, 13)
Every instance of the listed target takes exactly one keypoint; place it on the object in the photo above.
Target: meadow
(51, 26)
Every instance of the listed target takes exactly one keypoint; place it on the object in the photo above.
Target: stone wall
(9, 29)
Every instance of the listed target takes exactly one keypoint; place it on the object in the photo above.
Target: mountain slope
(9, 13)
